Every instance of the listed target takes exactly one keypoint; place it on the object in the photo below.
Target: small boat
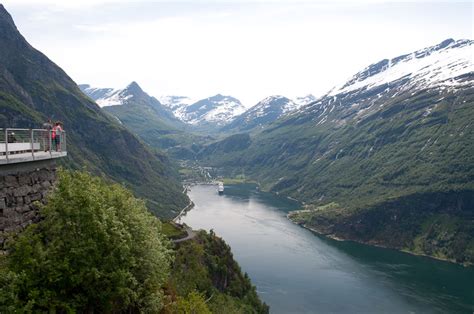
(220, 188)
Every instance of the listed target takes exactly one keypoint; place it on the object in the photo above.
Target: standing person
(48, 126)
(56, 135)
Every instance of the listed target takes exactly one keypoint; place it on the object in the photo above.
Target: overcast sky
(247, 49)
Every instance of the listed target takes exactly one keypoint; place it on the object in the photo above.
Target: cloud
(248, 51)
(64, 4)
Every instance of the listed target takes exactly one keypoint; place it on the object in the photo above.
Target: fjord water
(296, 271)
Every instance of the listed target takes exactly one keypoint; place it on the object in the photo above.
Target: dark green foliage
(207, 265)
(194, 303)
(97, 249)
(173, 231)
(233, 143)
(439, 224)
(33, 89)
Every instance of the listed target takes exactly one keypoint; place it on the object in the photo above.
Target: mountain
(207, 113)
(132, 95)
(265, 112)
(33, 88)
(305, 100)
(389, 155)
(102, 96)
(447, 64)
(140, 113)
(175, 103)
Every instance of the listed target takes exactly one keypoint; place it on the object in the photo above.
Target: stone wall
(21, 187)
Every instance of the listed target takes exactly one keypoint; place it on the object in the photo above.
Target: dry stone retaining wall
(21, 187)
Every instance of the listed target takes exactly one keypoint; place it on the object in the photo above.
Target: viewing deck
(26, 145)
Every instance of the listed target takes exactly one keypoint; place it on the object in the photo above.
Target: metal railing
(17, 145)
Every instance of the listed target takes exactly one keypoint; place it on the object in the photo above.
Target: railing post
(50, 143)
(32, 144)
(6, 144)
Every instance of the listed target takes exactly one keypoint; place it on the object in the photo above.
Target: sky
(246, 49)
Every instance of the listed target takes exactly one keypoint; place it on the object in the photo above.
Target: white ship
(220, 188)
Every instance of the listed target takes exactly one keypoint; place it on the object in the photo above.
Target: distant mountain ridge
(263, 113)
(445, 64)
(141, 113)
(133, 94)
(226, 112)
(213, 111)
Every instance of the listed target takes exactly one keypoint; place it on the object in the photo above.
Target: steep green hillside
(33, 88)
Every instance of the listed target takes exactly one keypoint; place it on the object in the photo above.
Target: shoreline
(336, 238)
(339, 239)
(186, 208)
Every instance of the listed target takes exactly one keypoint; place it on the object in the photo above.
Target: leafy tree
(194, 303)
(206, 266)
(97, 250)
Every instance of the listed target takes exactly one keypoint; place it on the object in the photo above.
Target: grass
(172, 231)
(237, 181)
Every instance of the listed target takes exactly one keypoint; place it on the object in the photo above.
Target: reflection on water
(296, 271)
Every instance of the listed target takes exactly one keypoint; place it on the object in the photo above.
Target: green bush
(193, 304)
(97, 249)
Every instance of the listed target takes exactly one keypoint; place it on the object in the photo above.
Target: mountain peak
(219, 97)
(215, 110)
(5, 17)
(274, 100)
(305, 100)
(8, 28)
(134, 88)
(446, 43)
(83, 87)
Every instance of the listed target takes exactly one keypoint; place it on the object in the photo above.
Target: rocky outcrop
(22, 189)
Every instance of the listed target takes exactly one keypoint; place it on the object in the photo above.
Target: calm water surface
(296, 271)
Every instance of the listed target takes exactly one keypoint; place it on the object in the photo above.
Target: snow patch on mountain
(301, 101)
(263, 113)
(443, 64)
(175, 102)
(275, 105)
(217, 109)
(105, 97)
(224, 112)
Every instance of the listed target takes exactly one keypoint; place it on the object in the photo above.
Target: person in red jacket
(56, 135)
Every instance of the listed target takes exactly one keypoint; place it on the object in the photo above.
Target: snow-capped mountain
(301, 101)
(133, 99)
(441, 68)
(216, 110)
(445, 64)
(263, 113)
(175, 102)
(105, 97)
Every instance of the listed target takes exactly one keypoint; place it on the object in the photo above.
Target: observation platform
(27, 145)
